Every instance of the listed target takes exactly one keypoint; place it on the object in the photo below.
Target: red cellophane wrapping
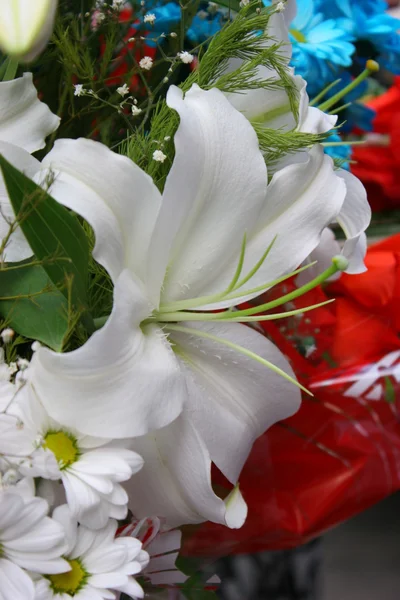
(341, 452)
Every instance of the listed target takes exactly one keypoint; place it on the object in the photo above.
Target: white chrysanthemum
(29, 540)
(98, 562)
(90, 468)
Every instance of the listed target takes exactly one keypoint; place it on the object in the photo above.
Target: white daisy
(29, 539)
(98, 562)
(90, 468)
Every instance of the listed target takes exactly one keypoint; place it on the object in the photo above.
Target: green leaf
(31, 305)
(54, 234)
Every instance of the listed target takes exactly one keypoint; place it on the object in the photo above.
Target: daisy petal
(15, 583)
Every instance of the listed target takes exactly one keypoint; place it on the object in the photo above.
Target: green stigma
(298, 36)
(64, 447)
(70, 582)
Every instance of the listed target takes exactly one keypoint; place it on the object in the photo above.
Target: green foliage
(230, 63)
(275, 144)
(31, 305)
(54, 234)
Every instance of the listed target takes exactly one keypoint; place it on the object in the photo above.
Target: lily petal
(355, 250)
(121, 383)
(271, 107)
(232, 399)
(175, 481)
(327, 248)
(355, 214)
(17, 247)
(117, 198)
(213, 194)
(24, 120)
(302, 199)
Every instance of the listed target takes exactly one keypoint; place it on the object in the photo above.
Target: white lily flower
(29, 540)
(90, 469)
(98, 563)
(25, 122)
(173, 252)
(26, 27)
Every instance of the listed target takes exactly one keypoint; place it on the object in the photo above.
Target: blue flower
(167, 16)
(320, 45)
(203, 26)
(374, 30)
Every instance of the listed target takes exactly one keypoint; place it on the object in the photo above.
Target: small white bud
(7, 335)
(146, 63)
(136, 111)
(123, 90)
(173, 34)
(12, 368)
(149, 18)
(35, 346)
(280, 7)
(185, 57)
(159, 156)
(79, 91)
(22, 363)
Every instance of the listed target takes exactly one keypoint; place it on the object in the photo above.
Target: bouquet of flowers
(140, 266)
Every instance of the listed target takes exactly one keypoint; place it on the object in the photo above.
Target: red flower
(378, 162)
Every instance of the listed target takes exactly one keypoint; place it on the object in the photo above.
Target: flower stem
(11, 70)
(234, 316)
(371, 67)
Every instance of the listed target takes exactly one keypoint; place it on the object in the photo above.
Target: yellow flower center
(71, 582)
(64, 447)
(298, 35)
